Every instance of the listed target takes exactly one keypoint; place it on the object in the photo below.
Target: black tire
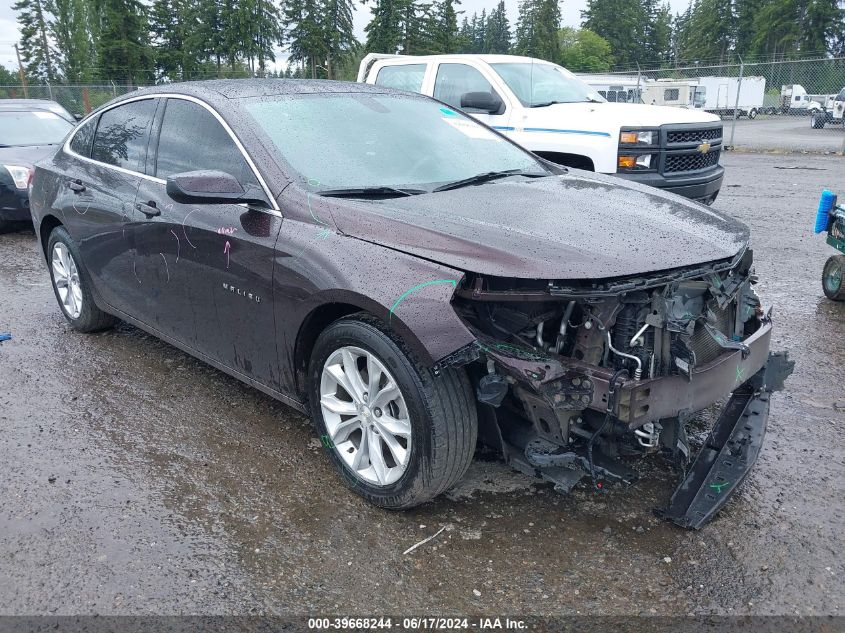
(752, 113)
(444, 425)
(817, 121)
(90, 318)
(833, 274)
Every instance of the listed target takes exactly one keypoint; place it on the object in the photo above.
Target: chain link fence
(78, 100)
(794, 106)
(771, 105)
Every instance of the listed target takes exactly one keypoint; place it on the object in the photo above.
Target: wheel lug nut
(377, 412)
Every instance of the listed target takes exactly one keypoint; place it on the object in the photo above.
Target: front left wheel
(399, 434)
(72, 285)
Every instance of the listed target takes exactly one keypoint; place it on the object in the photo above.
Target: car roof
(239, 88)
(490, 59)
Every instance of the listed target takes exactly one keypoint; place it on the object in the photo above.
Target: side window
(81, 141)
(192, 138)
(402, 77)
(671, 94)
(454, 80)
(841, 96)
(122, 134)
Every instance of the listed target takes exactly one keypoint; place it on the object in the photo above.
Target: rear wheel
(72, 285)
(398, 434)
(752, 113)
(817, 120)
(832, 274)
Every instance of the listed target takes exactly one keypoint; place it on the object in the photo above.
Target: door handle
(76, 186)
(149, 209)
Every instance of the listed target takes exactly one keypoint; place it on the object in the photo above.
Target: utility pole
(21, 73)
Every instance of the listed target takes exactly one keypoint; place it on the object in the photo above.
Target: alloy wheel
(365, 415)
(66, 279)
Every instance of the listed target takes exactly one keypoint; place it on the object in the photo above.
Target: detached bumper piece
(731, 449)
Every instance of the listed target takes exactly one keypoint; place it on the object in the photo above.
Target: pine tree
(384, 34)
(304, 34)
(338, 33)
(37, 51)
(480, 33)
(170, 30)
(446, 38)
(123, 50)
(623, 23)
(537, 29)
(498, 31)
(69, 29)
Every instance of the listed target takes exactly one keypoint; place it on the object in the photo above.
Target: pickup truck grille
(690, 162)
(680, 147)
(694, 136)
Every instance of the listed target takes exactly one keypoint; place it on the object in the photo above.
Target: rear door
(206, 269)
(102, 170)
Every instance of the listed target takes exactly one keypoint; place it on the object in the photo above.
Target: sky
(570, 12)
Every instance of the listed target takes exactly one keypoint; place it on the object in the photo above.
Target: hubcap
(833, 278)
(365, 415)
(66, 278)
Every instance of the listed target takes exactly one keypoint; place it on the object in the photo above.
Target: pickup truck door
(454, 79)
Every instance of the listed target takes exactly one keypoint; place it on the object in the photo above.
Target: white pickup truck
(551, 112)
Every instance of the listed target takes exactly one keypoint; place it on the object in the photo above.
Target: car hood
(25, 156)
(574, 226)
(615, 115)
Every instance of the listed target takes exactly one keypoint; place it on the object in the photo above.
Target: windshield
(349, 140)
(19, 128)
(538, 85)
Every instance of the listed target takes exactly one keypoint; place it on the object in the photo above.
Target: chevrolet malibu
(416, 282)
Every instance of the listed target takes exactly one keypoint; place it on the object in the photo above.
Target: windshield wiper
(368, 192)
(545, 103)
(485, 177)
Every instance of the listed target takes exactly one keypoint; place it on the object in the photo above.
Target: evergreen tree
(70, 30)
(304, 34)
(446, 38)
(36, 50)
(498, 31)
(170, 27)
(623, 24)
(711, 32)
(658, 33)
(338, 34)
(479, 36)
(384, 32)
(123, 50)
(537, 29)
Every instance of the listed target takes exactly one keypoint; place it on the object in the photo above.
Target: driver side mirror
(487, 101)
(210, 186)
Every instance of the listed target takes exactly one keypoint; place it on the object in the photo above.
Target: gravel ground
(136, 480)
(785, 134)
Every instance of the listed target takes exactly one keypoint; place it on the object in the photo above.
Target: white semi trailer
(720, 95)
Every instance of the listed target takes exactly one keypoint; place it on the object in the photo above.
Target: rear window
(121, 137)
(81, 141)
(402, 77)
(19, 128)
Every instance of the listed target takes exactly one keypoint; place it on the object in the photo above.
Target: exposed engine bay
(578, 378)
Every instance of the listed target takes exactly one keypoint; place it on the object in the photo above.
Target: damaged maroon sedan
(415, 281)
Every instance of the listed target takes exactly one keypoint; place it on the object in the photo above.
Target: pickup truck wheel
(72, 285)
(817, 121)
(752, 113)
(832, 275)
(398, 434)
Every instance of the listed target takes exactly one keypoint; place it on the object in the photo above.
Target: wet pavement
(137, 480)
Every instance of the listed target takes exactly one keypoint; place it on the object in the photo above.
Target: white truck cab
(551, 112)
(834, 112)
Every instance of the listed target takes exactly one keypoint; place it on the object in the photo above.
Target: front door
(207, 268)
(453, 80)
